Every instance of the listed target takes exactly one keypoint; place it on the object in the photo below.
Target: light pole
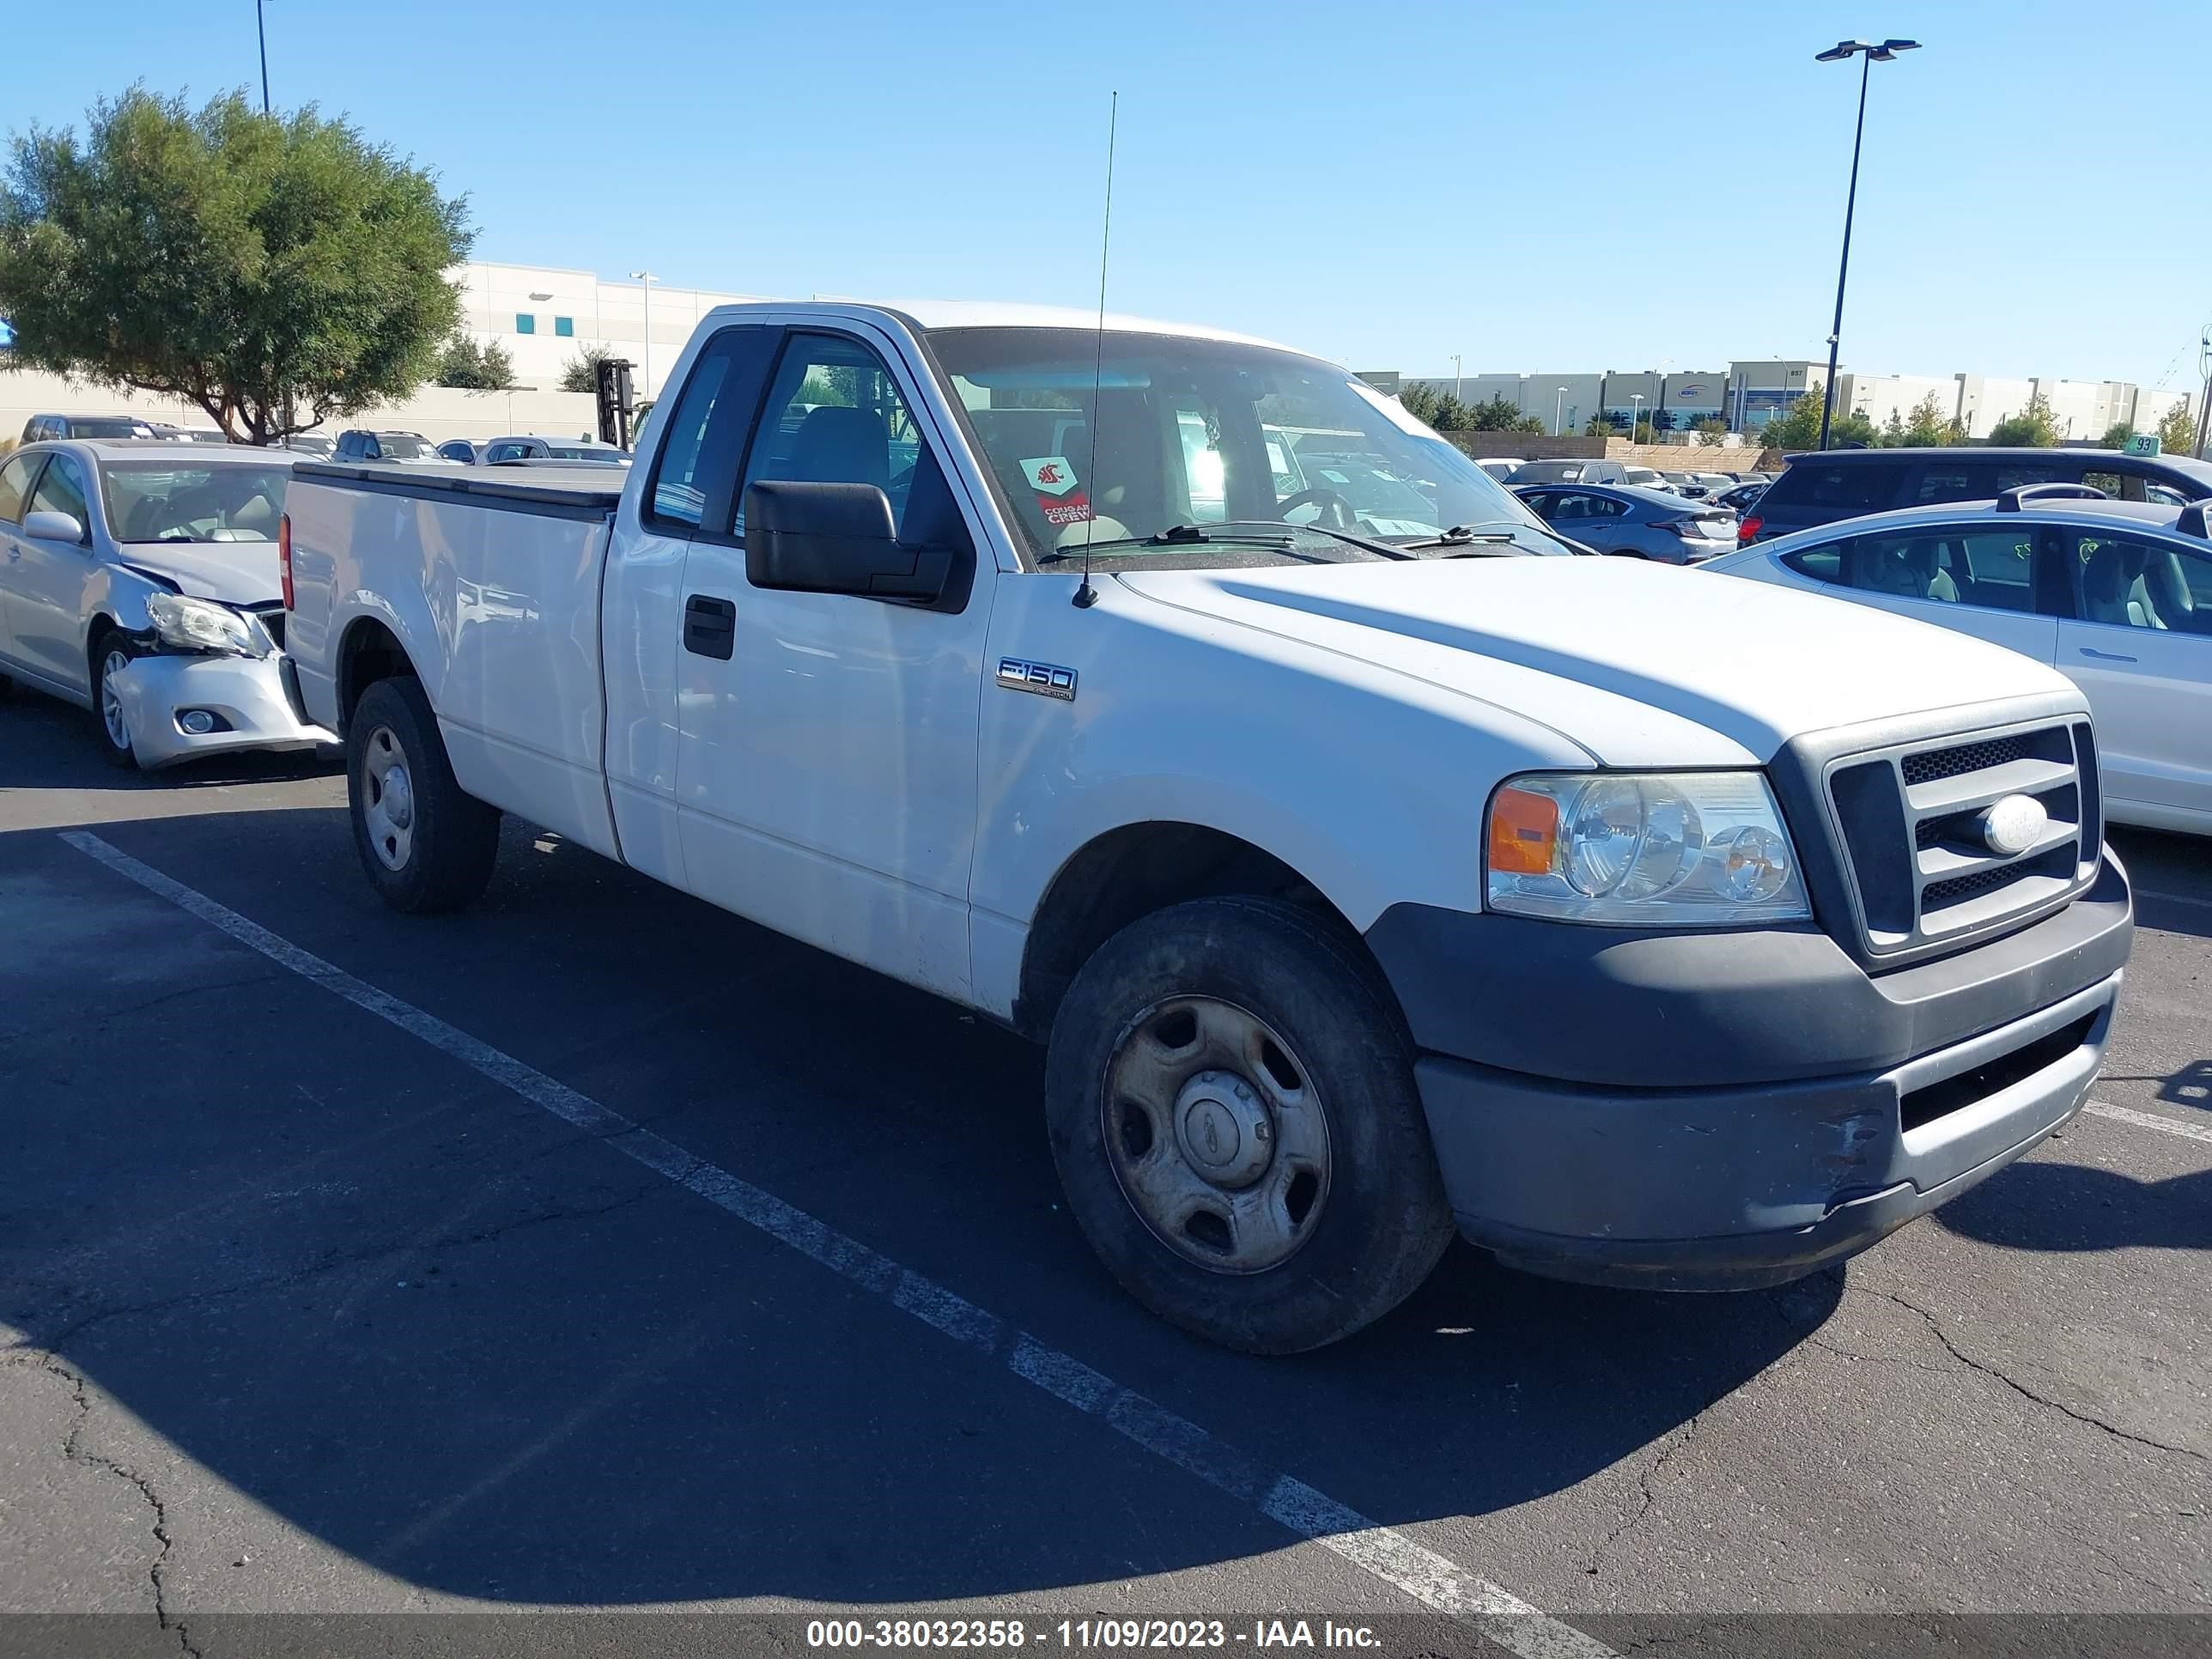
(1842, 51)
(1459, 390)
(1635, 414)
(646, 277)
(261, 29)
(1558, 404)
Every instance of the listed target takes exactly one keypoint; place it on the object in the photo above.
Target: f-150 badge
(1046, 680)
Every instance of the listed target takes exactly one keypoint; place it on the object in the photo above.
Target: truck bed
(547, 491)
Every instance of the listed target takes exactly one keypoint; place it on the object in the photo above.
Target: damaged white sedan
(143, 584)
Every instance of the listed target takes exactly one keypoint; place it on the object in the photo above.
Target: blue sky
(1535, 186)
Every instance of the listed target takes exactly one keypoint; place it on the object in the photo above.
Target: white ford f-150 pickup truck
(1370, 863)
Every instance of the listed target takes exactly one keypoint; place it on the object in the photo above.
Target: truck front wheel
(1230, 1098)
(426, 844)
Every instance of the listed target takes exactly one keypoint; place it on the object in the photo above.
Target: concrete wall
(436, 412)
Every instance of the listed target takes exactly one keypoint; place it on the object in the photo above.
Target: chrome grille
(1920, 868)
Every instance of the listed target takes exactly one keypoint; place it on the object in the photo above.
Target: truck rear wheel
(1230, 1094)
(426, 844)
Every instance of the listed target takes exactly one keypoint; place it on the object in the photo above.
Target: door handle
(710, 626)
(2104, 656)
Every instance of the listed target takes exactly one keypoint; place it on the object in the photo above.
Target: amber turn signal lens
(1524, 830)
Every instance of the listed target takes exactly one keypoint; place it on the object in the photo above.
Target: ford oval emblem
(2012, 825)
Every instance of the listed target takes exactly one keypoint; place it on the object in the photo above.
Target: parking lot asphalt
(596, 1248)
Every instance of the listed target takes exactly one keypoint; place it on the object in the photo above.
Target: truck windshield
(1195, 432)
(149, 501)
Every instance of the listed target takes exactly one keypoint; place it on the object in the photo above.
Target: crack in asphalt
(35, 1341)
(2021, 1388)
(1703, 1628)
(105, 1013)
(1667, 1448)
(73, 1451)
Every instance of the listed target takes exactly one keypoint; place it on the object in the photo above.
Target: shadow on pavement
(425, 1322)
(2069, 1206)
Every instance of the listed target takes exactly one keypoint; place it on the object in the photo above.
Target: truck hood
(1638, 665)
(236, 572)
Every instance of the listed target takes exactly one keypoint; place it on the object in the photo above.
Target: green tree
(1451, 415)
(2031, 427)
(1927, 427)
(1420, 401)
(274, 270)
(474, 368)
(1600, 426)
(581, 372)
(1893, 432)
(2117, 435)
(2177, 433)
(1497, 413)
(1710, 426)
(1799, 427)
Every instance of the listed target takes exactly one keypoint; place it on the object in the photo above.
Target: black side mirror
(836, 539)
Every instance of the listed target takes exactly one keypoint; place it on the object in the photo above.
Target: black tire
(452, 838)
(112, 641)
(1383, 1221)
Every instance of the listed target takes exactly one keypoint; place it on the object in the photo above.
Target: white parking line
(1420, 1572)
(2173, 898)
(2150, 1120)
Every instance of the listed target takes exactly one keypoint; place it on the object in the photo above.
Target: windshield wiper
(1381, 549)
(1179, 535)
(1498, 533)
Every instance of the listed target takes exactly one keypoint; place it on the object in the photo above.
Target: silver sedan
(140, 580)
(1637, 524)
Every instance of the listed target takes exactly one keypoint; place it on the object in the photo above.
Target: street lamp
(1459, 391)
(647, 278)
(261, 29)
(1841, 51)
(1635, 414)
(1558, 404)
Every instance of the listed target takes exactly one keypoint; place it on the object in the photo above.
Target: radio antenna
(1085, 594)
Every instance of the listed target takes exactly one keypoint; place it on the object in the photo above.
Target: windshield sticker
(1057, 497)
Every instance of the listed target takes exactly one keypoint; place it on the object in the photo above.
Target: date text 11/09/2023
(1086, 1635)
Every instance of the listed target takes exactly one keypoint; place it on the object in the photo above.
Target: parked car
(43, 428)
(464, 450)
(1713, 483)
(143, 586)
(1686, 485)
(2117, 595)
(1845, 483)
(1600, 472)
(1644, 524)
(362, 444)
(1738, 498)
(500, 452)
(320, 445)
(1360, 886)
(1643, 477)
(192, 435)
(1500, 467)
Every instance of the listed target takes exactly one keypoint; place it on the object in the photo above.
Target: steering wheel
(1335, 513)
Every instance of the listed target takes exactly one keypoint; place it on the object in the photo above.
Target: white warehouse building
(542, 317)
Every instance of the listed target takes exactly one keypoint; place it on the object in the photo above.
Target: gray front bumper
(1731, 1189)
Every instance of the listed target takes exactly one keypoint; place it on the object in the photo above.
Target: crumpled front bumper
(253, 707)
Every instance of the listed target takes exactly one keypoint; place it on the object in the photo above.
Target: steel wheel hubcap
(111, 701)
(1216, 1134)
(388, 807)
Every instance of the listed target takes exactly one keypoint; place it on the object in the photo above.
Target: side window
(1866, 487)
(1907, 567)
(703, 437)
(499, 453)
(1604, 507)
(16, 483)
(1822, 564)
(834, 414)
(2109, 482)
(2127, 582)
(61, 490)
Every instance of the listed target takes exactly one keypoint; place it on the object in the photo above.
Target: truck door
(826, 768)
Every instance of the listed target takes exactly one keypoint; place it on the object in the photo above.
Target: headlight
(200, 625)
(1644, 849)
